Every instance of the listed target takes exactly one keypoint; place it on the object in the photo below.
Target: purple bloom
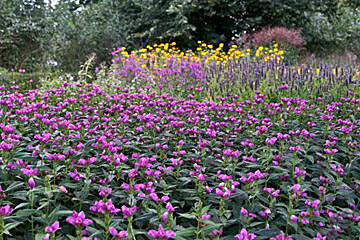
(78, 219)
(244, 235)
(165, 217)
(170, 207)
(154, 197)
(296, 188)
(5, 210)
(161, 233)
(319, 237)
(164, 198)
(118, 235)
(270, 141)
(281, 236)
(31, 183)
(243, 211)
(293, 218)
(276, 193)
(52, 228)
(205, 217)
(127, 212)
(102, 207)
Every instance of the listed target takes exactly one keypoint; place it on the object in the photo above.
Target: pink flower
(276, 193)
(165, 217)
(154, 197)
(105, 192)
(118, 235)
(270, 141)
(52, 228)
(170, 207)
(161, 233)
(205, 217)
(244, 235)
(5, 210)
(78, 219)
(103, 207)
(63, 189)
(243, 211)
(319, 237)
(216, 232)
(132, 173)
(293, 218)
(296, 188)
(281, 236)
(164, 198)
(127, 212)
(31, 183)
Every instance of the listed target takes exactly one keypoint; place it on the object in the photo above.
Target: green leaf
(267, 233)
(25, 212)
(21, 205)
(39, 236)
(187, 232)
(211, 227)
(14, 185)
(100, 222)
(12, 225)
(188, 216)
(63, 213)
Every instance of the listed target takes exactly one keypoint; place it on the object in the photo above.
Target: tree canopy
(33, 31)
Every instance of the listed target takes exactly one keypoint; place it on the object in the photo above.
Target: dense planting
(211, 72)
(156, 166)
(171, 145)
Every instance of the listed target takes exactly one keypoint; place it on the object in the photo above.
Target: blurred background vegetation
(50, 35)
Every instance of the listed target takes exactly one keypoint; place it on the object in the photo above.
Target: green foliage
(25, 27)
(338, 32)
(32, 32)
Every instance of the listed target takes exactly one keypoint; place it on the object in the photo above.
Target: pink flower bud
(63, 189)
(31, 183)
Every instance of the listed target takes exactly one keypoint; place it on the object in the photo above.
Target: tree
(24, 28)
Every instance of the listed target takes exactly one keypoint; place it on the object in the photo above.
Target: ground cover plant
(129, 157)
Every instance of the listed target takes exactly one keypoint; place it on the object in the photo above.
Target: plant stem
(2, 227)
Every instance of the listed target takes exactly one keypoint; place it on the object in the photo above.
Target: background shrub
(33, 32)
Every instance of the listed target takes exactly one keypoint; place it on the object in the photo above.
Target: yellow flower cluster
(161, 55)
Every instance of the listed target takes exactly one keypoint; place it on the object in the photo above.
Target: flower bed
(113, 163)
